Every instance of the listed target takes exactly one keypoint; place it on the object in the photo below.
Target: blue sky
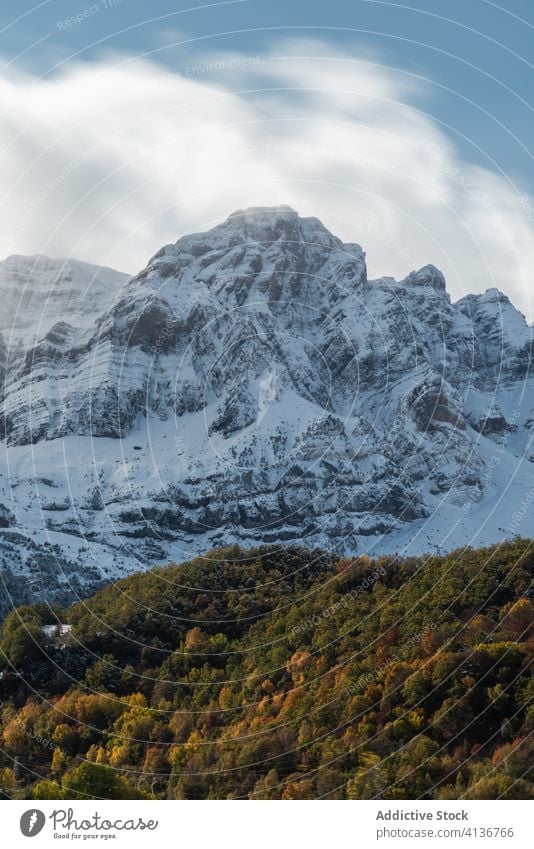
(405, 127)
(477, 56)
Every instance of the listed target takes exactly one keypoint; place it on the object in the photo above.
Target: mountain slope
(252, 385)
(280, 673)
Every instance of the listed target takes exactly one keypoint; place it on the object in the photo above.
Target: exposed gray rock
(250, 384)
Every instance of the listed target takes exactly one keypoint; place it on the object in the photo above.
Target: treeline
(279, 673)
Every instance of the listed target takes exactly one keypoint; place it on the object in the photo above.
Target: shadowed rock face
(249, 384)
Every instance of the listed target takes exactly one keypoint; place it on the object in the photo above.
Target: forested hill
(279, 673)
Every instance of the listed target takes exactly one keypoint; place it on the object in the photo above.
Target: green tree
(95, 781)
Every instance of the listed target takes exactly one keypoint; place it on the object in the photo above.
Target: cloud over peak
(107, 161)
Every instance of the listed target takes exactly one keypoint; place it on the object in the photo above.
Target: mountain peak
(274, 223)
(429, 276)
(268, 255)
(265, 213)
(264, 223)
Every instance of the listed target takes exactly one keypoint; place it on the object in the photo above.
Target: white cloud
(109, 161)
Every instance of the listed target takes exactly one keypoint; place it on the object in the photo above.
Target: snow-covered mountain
(252, 385)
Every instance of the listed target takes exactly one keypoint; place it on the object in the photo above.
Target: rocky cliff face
(251, 384)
